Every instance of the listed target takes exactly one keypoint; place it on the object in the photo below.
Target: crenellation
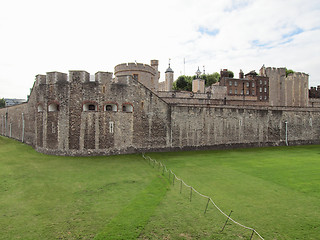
(128, 114)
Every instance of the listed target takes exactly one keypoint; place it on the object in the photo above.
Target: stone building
(73, 114)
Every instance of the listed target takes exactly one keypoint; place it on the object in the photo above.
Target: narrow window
(235, 83)
(92, 107)
(127, 107)
(40, 108)
(252, 84)
(265, 82)
(260, 89)
(103, 89)
(248, 84)
(235, 91)
(260, 82)
(252, 92)
(108, 108)
(53, 107)
(230, 83)
(265, 89)
(230, 91)
(111, 127)
(247, 92)
(265, 98)
(242, 92)
(260, 97)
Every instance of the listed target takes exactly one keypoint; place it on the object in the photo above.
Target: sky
(39, 36)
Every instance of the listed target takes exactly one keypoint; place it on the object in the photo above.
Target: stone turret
(198, 84)
(169, 79)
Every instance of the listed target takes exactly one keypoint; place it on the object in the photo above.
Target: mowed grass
(274, 190)
(51, 197)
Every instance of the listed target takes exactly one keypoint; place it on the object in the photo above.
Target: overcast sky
(62, 35)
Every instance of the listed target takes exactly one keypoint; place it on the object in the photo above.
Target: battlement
(132, 67)
(74, 75)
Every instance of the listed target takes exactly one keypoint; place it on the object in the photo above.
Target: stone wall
(73, 116)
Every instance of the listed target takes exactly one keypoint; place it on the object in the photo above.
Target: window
(53, 107)
(235, 91)
(235, 83)
(111, 107)
(136, 77)
(242, 92)
(265, 89)
(260, 89)
(265, 97)
(252, 92)
(248, 84)
(247, 92)
(103, 89)
(127, 107)
(260, 82)
(260, 97)
(89, 107)
(40, 108)
(230, 83)
(230, 91)
(265, 82)
(252, 84)
(92, 107)
(111, 127)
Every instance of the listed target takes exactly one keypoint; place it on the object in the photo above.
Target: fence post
(252, 234)
(227, 221)
(207, 206)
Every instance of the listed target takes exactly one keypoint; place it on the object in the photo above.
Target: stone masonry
(69, 114)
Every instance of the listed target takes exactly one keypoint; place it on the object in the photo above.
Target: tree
(212, 78)
(2, 103)
(181, 83)
(289, 71)
(231, 75)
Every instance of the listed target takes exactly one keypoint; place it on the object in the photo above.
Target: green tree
(181, 83)
(289, 71)
(2, 103)
(212, 78)
(231, 74)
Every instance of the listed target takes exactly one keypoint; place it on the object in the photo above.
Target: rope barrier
(200, 194)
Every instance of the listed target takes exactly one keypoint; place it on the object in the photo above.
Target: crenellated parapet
(134, 67)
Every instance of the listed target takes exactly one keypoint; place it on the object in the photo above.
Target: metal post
(252, 234)
(22, 139)
(226, 221)
(207, 206)
(286, 123)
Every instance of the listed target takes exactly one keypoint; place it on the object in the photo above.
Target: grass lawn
(273, 190)
(51, 197)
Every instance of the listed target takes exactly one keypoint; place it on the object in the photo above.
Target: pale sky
(39, 36)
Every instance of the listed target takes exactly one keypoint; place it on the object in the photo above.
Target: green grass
(51, 197)
(274, 190)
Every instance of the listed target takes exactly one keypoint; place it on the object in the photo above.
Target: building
(75, 114)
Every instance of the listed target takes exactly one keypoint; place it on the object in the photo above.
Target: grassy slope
(274, 190)
(50, 197)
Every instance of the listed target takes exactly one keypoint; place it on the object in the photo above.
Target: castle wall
(73, 116)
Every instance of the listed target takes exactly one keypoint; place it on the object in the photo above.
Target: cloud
(41, 36)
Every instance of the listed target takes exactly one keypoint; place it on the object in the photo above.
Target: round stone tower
(144, 73)
(168, 79)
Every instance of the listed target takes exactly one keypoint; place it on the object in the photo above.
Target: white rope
(164, 166)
